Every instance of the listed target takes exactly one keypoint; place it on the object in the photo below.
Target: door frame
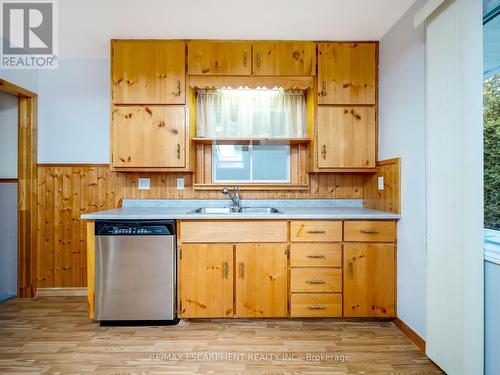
(26, 188)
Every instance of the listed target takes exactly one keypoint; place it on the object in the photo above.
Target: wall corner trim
(427, 9)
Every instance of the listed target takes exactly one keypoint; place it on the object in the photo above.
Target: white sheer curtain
(250, 113)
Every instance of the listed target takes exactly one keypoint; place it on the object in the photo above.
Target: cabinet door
(148, 136)
(347, 73)
(346, 137)
(219, 58)
(148, 72)
(261, 280)
(285, 59)
(207, 280)
(369, 280)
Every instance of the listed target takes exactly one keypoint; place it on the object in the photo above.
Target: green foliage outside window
(492, 152)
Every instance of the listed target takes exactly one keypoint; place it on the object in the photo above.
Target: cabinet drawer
(233, 231)
(316, 305)
(318, 280)
(370, 231)
(316, 255)
(316, 231)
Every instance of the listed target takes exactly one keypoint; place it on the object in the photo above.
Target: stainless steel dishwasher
(135, 272)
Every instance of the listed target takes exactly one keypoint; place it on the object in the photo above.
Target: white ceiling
(85, 26)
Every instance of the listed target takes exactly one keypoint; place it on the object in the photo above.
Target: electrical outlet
(180, 183)
(144, 184)
(381, 182)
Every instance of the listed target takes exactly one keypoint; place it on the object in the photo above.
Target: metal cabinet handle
(323, 152)
(317, 307)
(242, 270)
(316, 256)
(315, 282)
(350, 269)
(369, 231)
(178, 88)
(225, 267)
(323, 88)
(316, 231)
(245, 58)
(258, 59)
(178, 151)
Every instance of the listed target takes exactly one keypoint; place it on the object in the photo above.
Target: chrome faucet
(235, 197)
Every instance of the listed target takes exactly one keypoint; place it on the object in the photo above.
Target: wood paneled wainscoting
(67, 191)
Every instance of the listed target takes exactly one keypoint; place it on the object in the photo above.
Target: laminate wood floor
(52, 335)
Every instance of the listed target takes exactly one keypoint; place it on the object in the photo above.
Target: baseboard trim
(410, 333)
(61, 292)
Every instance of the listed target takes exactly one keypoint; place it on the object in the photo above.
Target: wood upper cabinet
(284, 58)
(347, 73)
(261, 280)
(369, 280)
(220, 57)
(206, 281)
(148, 136)
(346, 137)
(148, 72)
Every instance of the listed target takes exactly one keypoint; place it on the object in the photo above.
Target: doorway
(24, 217)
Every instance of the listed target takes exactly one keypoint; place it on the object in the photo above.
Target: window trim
(492, 245)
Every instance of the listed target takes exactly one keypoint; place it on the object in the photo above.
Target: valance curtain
(250, 113)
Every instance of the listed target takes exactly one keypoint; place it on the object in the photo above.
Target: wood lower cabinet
(219, 57)
(346, 137)
(206, 281)
(148, 71)
(284, 58)
(148, 136)
(261, 280)
(369, 280)
(347, 73)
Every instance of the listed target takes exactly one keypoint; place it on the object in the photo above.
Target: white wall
(402, 133)
(8, 136)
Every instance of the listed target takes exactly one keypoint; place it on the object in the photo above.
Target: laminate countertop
(180, 209)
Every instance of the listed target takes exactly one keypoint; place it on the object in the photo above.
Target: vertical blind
(250, 113)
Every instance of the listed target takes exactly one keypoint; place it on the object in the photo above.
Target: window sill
(492, 246)
(204, 187)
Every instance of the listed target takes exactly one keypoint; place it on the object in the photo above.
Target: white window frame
(251, 181)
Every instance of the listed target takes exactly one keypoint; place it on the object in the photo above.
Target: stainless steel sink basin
(236, 210)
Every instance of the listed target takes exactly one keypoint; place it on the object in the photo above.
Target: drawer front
(316, 255)
(316, 305)
(233, 231)
(316, 280)
(315, 231)
(370, 231)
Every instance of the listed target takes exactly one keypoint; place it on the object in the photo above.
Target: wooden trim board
(61, 292)
(410, 333)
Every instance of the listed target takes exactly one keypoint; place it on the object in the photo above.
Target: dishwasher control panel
(143, 228)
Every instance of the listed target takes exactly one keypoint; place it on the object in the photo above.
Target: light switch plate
(381, 182)
(180, 183)
(144, 184)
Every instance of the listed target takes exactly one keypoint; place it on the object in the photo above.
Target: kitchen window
(251, 163)
(251, 129)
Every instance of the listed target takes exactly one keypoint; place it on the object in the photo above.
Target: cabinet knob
(178, 88)
(258, 59)
(369, 231)
(350, 269)
(323, 88)
(323, 152)
(316, 256)
(317, 307)
(178, 151)
(315, 282)
(242, 270)
(225, 268)
(316, 231)
(245, 58)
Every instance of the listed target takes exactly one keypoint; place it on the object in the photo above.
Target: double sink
(235, 210)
